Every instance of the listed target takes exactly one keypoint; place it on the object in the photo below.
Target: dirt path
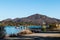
(44, 34)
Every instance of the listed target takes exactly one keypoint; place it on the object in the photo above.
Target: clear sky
(24, 8)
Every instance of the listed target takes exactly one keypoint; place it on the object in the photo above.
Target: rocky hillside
(35, 19)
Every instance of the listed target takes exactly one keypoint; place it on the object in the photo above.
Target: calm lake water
(15, 30)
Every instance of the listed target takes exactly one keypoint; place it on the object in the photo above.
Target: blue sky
(24, 8)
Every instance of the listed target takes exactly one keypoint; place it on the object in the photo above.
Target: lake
(15, 30)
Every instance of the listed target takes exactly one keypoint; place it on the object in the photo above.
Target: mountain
(35, 19)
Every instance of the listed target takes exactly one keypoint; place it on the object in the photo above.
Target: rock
(25, 32)
(6, 36)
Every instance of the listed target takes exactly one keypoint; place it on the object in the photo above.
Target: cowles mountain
(36, 19)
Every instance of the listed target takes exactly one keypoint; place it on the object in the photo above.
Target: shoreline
(44, 34)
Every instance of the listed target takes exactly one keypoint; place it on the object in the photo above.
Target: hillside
(34, 19)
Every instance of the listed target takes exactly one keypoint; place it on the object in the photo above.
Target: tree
(2, 32)
(52, 26)
(44, 28)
